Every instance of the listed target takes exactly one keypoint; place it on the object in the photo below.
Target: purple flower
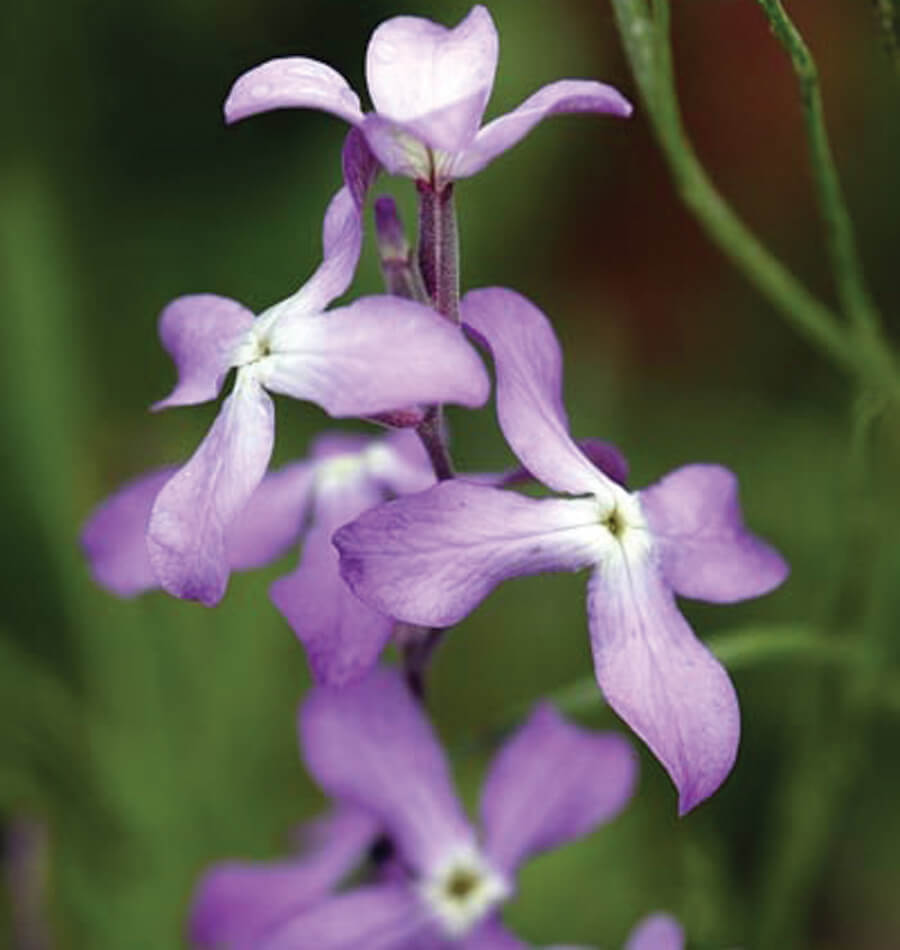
(377, 354)
(656, 932)
(429, 86)
(430, 558)
(343, 475)
(370, 746)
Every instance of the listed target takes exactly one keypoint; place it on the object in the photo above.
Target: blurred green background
(141, 740)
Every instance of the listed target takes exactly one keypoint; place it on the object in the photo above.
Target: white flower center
(463, 891)
(626, 527)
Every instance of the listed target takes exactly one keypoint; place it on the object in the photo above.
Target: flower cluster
(394, 543)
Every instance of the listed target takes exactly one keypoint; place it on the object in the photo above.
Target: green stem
(845, 263)
(646, 42)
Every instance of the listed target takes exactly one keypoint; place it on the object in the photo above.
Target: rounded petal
(293, 82)
(380, 917)
(657, 932)
(343, 636)
(193, 512)
(558, 98)
(377, 354)
(200, 332)
(431, 558)
(492, 935)
(272, 519)
(370, 744)
(707, 553)
(415, 68)
(236, 902)
(553, 782)
(114, 538)
(528, 364)
(661, 679)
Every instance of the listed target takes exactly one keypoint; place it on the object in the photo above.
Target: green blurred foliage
(154, 736)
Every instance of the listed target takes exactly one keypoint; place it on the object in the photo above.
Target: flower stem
(645, 38)
(439, 247)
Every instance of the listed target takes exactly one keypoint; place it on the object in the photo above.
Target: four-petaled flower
(431, 558)
(377, 354)
(429, 86)
(370, 747)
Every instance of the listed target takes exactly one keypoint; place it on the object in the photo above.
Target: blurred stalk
(645, 38)
(888, 13)
(845, 263)
(26, 860)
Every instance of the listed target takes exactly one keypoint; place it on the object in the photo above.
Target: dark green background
(156, 736)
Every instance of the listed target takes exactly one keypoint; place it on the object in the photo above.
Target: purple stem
(439, 247)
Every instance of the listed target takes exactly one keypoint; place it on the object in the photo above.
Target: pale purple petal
(199, 332)
(341, 245)
(186, 537)
(114, 538)
(343, 636)
(293, 82)
(607, 457)
(528, 363)
(553, 782)
(271, 521)
(657, 932)
(401, 463)
(492, 935)
(430, 558)
(360, 166)
(415, 67)
(236, 902)
(563, 96)
(707, 553)
(377, 354)
(370, 744)
(661, 679)
(380, 917)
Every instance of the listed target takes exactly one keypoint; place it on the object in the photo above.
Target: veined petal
(553, 782)
(661, 679)
(380, 917)
(236, 902)
(415, 67)
(195, 508)
(563, 96)
(343, 636)
(293, 82)
(272, 519)
(707, 553)
(114, 538)
(431, 558)
(199, 332)
(377, 354)
(528, 363)
(657, 932)
(492, 935)
(360, 166)
(370, 744)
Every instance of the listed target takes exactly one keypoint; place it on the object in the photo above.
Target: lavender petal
(656, 932)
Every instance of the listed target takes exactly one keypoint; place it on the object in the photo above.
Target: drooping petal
(492, 935)
(370, 744)
(343, 636)
(563, 96)
(657, 932)
(236, 902)
(661, 679)
(114, 537)
(360, 166)
(707, 553)
(377, 354)
(553, 782)
(199, 332)
(530, 410)
(186, 537)
(430, 558)
(293, 82)
(272, 519)
(380, 917)
(415, 67)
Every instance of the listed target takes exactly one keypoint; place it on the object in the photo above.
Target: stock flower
(429, 86)
(656, 932)
(430, 558)
(374, 355)
(306, 501)
(370, 746)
